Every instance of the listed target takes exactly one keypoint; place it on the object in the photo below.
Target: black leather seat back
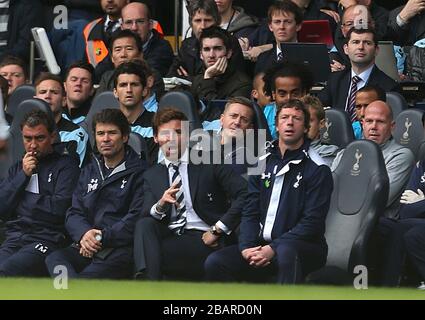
(409, 130)
(21, 93)
(338, 130)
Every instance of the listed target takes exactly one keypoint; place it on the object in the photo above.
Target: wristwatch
(215, 231)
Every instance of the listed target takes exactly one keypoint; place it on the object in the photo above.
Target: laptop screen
(316, 31)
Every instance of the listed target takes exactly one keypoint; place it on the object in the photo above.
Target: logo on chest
(92, 185)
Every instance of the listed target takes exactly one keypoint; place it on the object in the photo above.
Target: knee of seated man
(412, 238)
(285, 254)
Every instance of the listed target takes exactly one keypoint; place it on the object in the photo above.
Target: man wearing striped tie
(341, 88)
(189, 210)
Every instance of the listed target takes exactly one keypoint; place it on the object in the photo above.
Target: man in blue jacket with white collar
(105, 206)
(283, 224)
(34, 198)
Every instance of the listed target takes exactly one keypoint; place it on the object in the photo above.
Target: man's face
(258, 92)
(287, 88)
(78, 85)
(113, 7)
(129, 90)
(290, 125)
(377, 123)
(361, 49)
(201, 21)
(51, 92)
(236, 119)
(135, 18)
(363, 99)
(124, 50)
(109, 140)
(223, 5)
(37, 140)
(212, 50)
(14, 75)
(315, 125)
(172, 139)
(284, 27)
(355, 14)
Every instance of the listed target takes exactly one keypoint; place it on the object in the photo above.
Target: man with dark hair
(79, 90)
(129, 88)
(126, 46)
(157, 51)
(283, 222)
(105, 206)
(284, 20)
(283, 82)
(341, 88)
(97, 33)
(189, 210)
(14, 70)
(364, 97)
(235, 20)
(202, 14)
(49, 87)
(221, 79)
(34, 198)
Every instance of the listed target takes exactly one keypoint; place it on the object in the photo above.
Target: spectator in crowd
(406, 24)
(221, 79)
(283, 223)
(284, 19)
(79, 91)
(105, 206)
(17, 18)
(49, 88)
(189, 210)
(97, 33)
(157, 51)
(283, 82)
(257, 93)
(378, 124)
(129, 88)
(364, 97)
(202, 14)
(235, 20)
(126, 46)
(341, 88)
(34, 198)
(327, 152)
(15, 71)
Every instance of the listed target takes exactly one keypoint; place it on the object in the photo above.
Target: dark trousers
(414, 241)
(24, 259)
(159, 251)
(117, 265)
(388, 247)
(293, 260)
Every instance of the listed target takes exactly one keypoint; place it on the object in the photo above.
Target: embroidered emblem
(299, 177)
(356, 166)
(123, 183)
(209, 195)
(92, 185)
(50, 177)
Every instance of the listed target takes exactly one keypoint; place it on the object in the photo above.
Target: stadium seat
(409, 131)
(359, 198)
(397, 103)
(5, 161)
(105, 100)
(261, 121)
(21, 93)
(183, 101)
(16, 147)
(138, 144)
(338, 130)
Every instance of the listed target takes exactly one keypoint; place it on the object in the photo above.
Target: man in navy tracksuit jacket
(283, 224)
(34, 198)
(105, 206)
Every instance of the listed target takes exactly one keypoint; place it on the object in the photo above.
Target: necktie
(351, 104)
(110, 27)
(179, 221)
(280, 56)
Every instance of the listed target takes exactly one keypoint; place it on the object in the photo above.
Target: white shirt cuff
(223, 227)
(400, 22)
(156, 214)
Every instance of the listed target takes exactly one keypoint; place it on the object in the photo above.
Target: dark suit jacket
(266, 60)
(216, 191)
(336, 91)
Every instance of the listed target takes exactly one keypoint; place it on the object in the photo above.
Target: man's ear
(346, 49)
(115, 93)
(125, 138)
(229, 53)
(254, 93)
(298, 27)
(322, 123)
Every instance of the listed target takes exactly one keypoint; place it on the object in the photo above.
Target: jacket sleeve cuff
(223, 227)
(156, 214)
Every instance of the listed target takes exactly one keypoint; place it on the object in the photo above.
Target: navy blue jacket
(39, 217)
(416, 181)
(303, 203)
(108, 203)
